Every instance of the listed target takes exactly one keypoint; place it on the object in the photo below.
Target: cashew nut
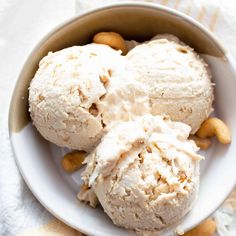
(215, 126)
(207, 228)
(203, 143)
(111, 39)
(73, 161)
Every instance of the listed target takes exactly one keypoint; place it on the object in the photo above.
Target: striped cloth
(22, 24)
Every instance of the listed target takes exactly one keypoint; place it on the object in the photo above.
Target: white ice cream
(145, 173)
(78, 91)
(177, 78)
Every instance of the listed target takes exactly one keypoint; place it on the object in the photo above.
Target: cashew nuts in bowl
(202, 143)
(215, 127)
(72, 161)
(111, 39)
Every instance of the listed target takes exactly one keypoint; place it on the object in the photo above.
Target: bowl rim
(60, 26)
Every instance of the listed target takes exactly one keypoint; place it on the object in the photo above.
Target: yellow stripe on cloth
(52, 228)
(214, 19)
(164, 2)
(176, 4)
(201, 14)
(188, 9)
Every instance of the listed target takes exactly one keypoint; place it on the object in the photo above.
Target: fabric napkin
(22, 24)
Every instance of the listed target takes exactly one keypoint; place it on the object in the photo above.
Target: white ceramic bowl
(39, 160)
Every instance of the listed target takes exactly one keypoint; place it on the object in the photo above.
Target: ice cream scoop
(78, 91)
(145, 173)
(177, 78)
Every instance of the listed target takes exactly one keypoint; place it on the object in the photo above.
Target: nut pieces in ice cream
(78, 90)
(145, 173)
(178, 80)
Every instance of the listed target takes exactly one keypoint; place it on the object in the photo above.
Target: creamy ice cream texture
(177, 79)
(145, 173)
(78, 91)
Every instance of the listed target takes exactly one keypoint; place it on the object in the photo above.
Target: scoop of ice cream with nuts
(145, 173)
(77, 91)
(177, 78)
